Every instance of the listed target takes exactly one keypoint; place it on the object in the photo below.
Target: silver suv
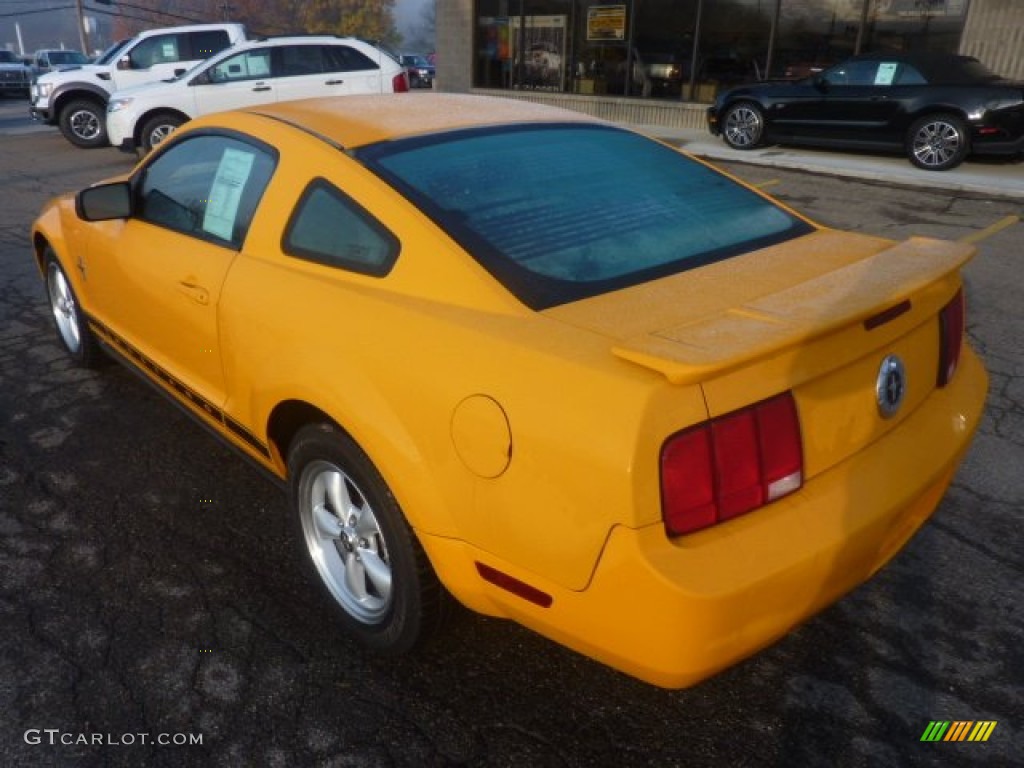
(15, 76)
(76, 99)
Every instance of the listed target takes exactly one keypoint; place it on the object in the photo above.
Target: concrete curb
(992, 177)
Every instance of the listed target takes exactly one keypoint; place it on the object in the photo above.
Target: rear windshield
(561, 212)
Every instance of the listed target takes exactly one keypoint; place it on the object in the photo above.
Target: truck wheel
(83, 123)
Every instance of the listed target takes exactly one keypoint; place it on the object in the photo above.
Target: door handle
(334, 82)
(194, 291)
(262, 88)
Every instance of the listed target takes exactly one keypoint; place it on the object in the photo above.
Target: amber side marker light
(731, 465)
(951, 336)
(514, 585)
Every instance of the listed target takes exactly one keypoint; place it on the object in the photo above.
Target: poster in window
(544, 42)
(606, 23)
(226, 193)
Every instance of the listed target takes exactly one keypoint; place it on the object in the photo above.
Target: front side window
(330, 228)
(855, 73)
(207, 186)
(560, 212)
(159, 49)
(248, 65)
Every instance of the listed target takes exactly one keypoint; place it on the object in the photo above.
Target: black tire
(84, 123)
(743, 125)
(72, 328)
(357, 545)
(938, 142)
(156, 129)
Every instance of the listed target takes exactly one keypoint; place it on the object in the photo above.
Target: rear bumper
(712, 119)
(673, 613)
(986, 145)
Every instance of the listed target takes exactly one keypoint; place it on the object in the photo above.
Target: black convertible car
(938, 108)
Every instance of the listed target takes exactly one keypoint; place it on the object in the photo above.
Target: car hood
(149, 89)
(56, 75)
(711, 320)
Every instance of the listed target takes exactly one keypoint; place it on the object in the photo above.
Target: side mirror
(105, 202)
(124, 62)
(821, 83)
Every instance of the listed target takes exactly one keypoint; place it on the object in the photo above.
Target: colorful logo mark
(958, 730)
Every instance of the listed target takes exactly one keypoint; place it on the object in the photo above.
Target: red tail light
(400, 82)
(731, 465)
(951, 337)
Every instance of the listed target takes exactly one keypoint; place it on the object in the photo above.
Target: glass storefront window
(657, 48)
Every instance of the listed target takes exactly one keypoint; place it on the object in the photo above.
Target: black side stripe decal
(154, 371)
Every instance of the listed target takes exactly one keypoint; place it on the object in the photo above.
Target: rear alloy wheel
(72, 330)
(83, 124)
(743, 126)
(357, 544)
(157, 129)
(937, 142)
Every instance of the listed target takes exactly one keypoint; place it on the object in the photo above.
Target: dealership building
(659, 62)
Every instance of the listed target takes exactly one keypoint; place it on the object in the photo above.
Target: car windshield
(67, 57)
(561, 212)
(415, 61)
(8, 57)
(111, 53)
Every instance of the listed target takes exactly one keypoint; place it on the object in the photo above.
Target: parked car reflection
(937, 108)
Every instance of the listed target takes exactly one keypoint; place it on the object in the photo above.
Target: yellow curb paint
(992, 229)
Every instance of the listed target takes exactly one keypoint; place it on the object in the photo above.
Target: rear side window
(330, 228)
(301, 60)
(908, 75)
(342, 58)
(560, 212)
(207, 186)
(202, 45)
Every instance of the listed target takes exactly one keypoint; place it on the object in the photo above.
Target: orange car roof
(354, 121)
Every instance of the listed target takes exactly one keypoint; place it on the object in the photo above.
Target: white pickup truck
(75, 99)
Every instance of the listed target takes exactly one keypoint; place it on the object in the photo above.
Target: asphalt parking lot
(148, 591)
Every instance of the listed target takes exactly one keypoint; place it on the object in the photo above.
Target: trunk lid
(816, 315)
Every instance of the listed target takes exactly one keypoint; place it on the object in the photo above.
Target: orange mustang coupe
(515, 355)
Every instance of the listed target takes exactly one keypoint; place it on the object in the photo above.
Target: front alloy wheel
(157, 130)
(72, 329)
(743, 126)
(937, 143)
